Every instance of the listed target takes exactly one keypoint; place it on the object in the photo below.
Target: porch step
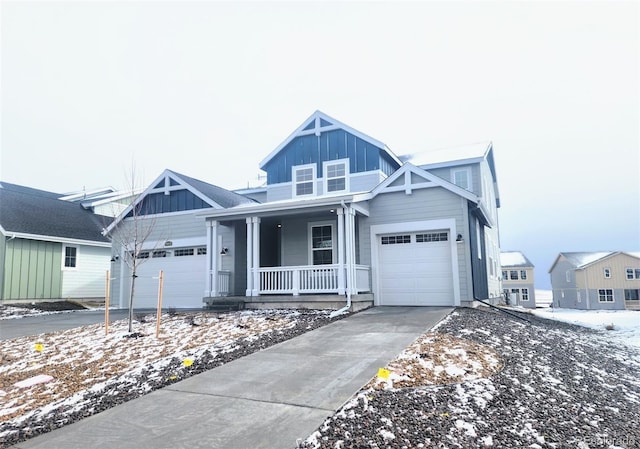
(328, 302)
(224, 304)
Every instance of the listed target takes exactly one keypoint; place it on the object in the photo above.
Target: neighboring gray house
(341, 217)
(50, 248)
(596, 280)
(517, 279)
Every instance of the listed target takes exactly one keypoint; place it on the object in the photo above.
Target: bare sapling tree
(132, 229)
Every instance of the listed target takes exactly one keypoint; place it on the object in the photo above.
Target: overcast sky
(208, 89)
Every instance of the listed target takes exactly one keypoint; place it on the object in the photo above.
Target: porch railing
(224, 282)
(362, 278)
(294, 280)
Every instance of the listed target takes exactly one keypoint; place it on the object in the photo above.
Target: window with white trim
(184, 252)
(478, 239)
(632, 294)
(322, 244)
(633, 273)
(142, 255)
(523, 275)
(304, 180)
(70, 256)
(432, 237)
(605, 295)
(336, 176)
(607, 273)
(462, 178)
(513, 275)
(525, 294)
(395, 239)
(504, 275)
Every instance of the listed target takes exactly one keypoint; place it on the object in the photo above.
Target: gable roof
(27, 213)
(214, 196)
(581, 260)
(461, 154)
(430, 180)
(24, 189)
(319, 122)
(514, 259)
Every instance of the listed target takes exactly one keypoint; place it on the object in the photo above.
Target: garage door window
(432, 237)
(395, 239)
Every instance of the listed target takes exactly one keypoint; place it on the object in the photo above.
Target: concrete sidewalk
(268, 399)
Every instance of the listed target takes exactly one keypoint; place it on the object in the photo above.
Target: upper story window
(523, 275)
(304, 180)
(513, 275)
(70, 256)
(504, 274)
(336, 176)
(607, 273)
(462, 178)
(633, 273)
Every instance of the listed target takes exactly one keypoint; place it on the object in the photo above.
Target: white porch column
(212, 259)
(256, 257)
(341, 273)
(351, 249)
(249, 291)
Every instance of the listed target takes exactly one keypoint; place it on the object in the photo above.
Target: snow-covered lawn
(622, 325)
(50, 380)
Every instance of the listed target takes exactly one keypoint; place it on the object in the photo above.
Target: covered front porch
(261, 250)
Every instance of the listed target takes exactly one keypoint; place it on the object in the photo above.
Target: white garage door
(184, 280)
(414, 269)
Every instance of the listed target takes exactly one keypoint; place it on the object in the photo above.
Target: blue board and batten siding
(175, 201)
(328, 146)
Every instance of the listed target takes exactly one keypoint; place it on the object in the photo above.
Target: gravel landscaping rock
(559, 386)
(156, 375)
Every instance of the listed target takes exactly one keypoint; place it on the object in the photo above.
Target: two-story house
(341, 218)
(517, 279)
(596, 280)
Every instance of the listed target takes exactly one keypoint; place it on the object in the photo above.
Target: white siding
(87, 279)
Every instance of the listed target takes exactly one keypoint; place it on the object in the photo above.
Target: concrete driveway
(268, 399)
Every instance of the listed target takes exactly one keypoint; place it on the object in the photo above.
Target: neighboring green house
(50, 248)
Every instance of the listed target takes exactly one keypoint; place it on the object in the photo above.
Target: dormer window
(304, 180)
(336, 176)
(461, 178)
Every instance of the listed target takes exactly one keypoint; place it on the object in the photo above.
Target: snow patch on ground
(625, 324)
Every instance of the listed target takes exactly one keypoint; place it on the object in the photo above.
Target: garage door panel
(415, 273)
(183, 286)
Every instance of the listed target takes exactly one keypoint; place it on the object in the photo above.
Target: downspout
(348, 242)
